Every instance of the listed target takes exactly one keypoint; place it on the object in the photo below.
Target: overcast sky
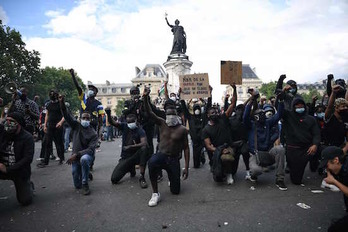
(105, 39)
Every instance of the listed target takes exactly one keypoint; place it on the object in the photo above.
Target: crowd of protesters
(283, 133)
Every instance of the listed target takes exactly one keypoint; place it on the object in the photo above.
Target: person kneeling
(85, 140)
(134, 149)
(16, 155)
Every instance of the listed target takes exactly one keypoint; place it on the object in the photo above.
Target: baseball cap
(329, 153)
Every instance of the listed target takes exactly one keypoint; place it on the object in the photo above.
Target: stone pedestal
(176, 65)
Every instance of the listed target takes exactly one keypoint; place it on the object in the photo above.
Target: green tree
(59, 79)
(307, 97)
(17, 64)
(119, 107)
(267, 89)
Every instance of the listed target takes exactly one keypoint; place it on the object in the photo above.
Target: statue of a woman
(179, 41)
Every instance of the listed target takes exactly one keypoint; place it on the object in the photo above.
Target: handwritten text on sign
(194, 86)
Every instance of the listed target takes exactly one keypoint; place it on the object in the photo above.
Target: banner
(231, 72)
(194, 86)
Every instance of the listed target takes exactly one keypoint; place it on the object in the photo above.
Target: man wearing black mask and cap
(340, 82)
(16, 155)
(28, 108)
(291, 91)
(53, 128)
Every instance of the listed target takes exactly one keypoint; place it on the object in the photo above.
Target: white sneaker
(247, 176)
(57, 159)
(156, 197)
(230, 179)
(39, 159)
(332, 187)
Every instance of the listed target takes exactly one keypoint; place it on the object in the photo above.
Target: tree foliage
(307, 97)
(119, 107)
(59, 79)
(267, 89)
(17, 64)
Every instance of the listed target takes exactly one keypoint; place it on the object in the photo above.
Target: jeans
(24, 188)
(278, 152)
(80, 170)
(161, 161)
(108, 133)
(67, 138)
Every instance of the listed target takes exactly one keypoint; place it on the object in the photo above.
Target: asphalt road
(201, 206)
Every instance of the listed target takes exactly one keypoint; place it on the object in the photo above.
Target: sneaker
(142, 183)
(247, 176)
(281, 185)
(230, 180)
(69, 149)
(40, 159)
(41, 165)
(57, 159)
(156, 197)
(251, 178)
(52, 157)
(332, 187)
(85, 189)
(60, 162)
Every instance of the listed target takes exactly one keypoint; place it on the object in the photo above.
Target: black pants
(245, 153)
(197, 147)
(55, 134)
(126, 165)
(46, 147)
(297, 159)
(341, 225)
(161, 161)
(24, 190)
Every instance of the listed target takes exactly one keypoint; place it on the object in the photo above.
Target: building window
(123, 90)
(108, 101)
(104, 90)
(113, 90)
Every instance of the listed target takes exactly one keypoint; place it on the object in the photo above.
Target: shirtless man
(173, 139)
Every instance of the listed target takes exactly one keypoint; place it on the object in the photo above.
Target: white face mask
(173, 98)
(197, 112)
(173, 120)
(85, 123)
(132, 125)
(269, 114)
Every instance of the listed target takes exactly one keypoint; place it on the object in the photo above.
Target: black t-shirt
(130, 137)
(218, 133)
(54, 113)
(334, 132)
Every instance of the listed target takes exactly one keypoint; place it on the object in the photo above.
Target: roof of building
(248, 72)
(151, 71)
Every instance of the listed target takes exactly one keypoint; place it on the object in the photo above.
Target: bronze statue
(179, 41)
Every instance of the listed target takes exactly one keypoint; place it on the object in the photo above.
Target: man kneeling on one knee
(84, 142)
(134, 149)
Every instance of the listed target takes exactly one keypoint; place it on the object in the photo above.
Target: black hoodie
(300, 129)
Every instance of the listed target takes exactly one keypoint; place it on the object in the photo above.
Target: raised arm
(233, 102)
(78, 87)
(148, 109)
(110, 119)
(330, 107)
(168, 23)
(69, 119)
(184, 109)
(280, 82)
(330, 77)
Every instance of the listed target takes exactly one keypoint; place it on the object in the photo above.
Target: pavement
(202, 205)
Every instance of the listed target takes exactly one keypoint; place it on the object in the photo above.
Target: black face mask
(213, 117)
(53, 97)
(343, 114)
(23, 97)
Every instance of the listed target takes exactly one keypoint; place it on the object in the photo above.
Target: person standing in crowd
(53, 128)
(91, 105)
(134, 149)
(16, 155)
(262, 137)
(302, 136)
(28, 108)
(67, 131)
(336, 164)
(217, 140)
(197, 122)
(173, 140)
(291, 91)
(85, 140)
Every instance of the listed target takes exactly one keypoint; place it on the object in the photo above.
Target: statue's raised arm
(179, 41)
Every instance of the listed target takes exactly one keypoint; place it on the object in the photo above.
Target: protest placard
(194, 86)
(231, 72)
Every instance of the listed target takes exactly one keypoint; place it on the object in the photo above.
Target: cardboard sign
(194, 86)
(231, 72)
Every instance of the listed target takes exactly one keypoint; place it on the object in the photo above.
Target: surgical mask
(293, 90)
(300, 110)
(197, 112)
(10, 127)
(261, 117)
(268, 114)
(320, 115)
(132, 125)
(172, 120)
(90, 93)
(202, 109)
(85, 123)
(173, 98)
(6, 111)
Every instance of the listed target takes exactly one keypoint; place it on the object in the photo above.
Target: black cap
(93, 87)
(329, 153)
